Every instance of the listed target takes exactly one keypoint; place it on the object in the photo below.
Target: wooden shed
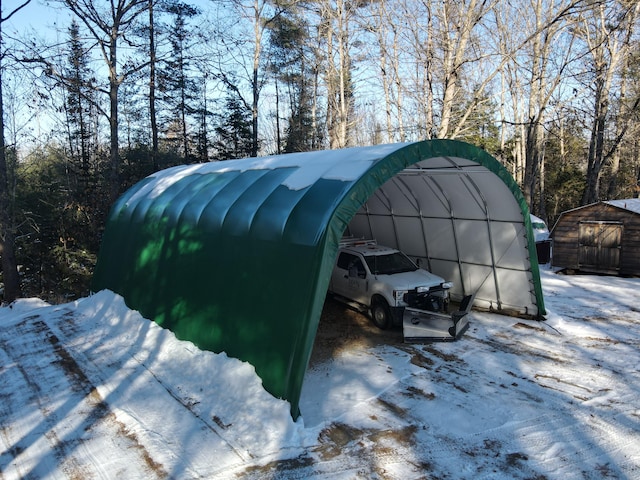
(603, 237)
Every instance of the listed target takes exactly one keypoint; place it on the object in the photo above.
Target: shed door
(600, 244)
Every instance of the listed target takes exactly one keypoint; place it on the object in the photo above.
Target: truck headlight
(447, 285)
(399, 295)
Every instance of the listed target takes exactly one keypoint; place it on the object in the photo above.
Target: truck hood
(411, 280)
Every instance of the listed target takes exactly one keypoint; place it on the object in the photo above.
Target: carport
(236, 256)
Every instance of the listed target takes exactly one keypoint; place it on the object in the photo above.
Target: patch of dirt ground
(343, 328)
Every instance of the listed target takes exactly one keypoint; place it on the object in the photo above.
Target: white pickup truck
(385, 281)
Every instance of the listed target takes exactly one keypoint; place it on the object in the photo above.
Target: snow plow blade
(423, 326)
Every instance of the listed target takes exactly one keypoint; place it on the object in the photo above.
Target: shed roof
(631, 204)
(236, 256)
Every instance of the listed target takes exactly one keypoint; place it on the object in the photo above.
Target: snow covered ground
(90, 389)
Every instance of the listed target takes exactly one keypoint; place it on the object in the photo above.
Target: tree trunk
(114, 154)
(455, 42)
(622, 122)
(396, 62)
(331, 75)
(315, 143)
(152, 90)
(106, 33)
(257, 51)
(344, 77)
(608, 48)
(183, 118)
(383, 21)
(335, 22)
(595, 158)
(10, 275)
(542, 84)
(533, 164)
(278, 135)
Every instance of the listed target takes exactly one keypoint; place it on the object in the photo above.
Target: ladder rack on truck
(356, 242)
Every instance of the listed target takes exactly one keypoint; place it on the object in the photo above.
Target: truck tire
(380, 313)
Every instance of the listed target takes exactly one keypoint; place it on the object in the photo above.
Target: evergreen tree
(564, 156)
(288, 38)
(81, 112)
(57, 235)
(234, 133)
(204, 115)
(178, 87)
(476, 123)
(109, 24)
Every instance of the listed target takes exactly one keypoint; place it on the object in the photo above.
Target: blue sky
(35, 16)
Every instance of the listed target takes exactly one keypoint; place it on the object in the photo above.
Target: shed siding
(568, 253)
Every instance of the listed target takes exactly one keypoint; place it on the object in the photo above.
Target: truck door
(349, 278)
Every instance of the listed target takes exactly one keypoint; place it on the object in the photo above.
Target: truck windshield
(396, 262)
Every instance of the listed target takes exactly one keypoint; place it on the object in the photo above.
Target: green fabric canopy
(236, 256)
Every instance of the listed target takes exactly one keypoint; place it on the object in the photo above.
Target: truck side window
(345, 260)
(356, 268)
(352, 264)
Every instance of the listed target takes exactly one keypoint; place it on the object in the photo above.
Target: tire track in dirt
(490, 455)
(541, 434)
(42, 365)
(347, 450)
(15, 391)
(378, 450)
(388, 448)
(140, 367)
(216, 423)
(437, 450)
(31, 367)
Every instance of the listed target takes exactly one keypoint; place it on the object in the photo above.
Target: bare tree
(418, 18)
(383, 23)
(457, 23)
(246, 53)
(607, 31)
(537, 65)
(336, 35)
(108, 26)
(435, 55)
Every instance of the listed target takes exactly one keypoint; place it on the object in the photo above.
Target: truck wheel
(380, 313)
